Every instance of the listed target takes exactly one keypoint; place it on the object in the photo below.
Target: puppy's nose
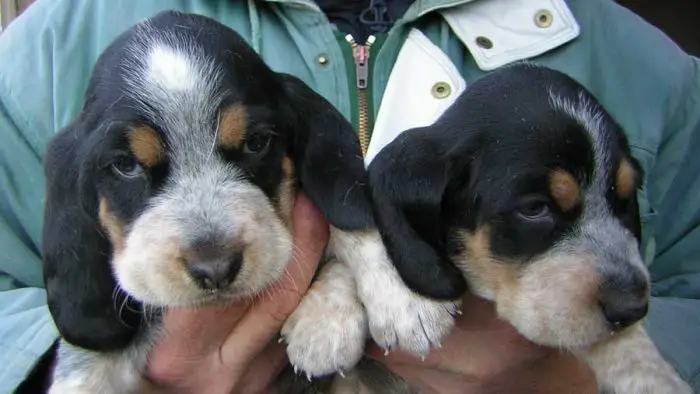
(624, 295)
(215, 274)
(622, 312)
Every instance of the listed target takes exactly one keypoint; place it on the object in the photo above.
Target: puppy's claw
(308, 376)
(296, 370)
(341, 373)
(414, 332)
(335, 344)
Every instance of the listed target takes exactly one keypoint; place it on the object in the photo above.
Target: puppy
(528, 187)
(173, 187)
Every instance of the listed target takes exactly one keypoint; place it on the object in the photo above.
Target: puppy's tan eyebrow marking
(111, 224)
(565, 190)
(625, 179)
(232, 126)
(146, 145)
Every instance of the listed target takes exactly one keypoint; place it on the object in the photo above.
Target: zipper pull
(361, 55)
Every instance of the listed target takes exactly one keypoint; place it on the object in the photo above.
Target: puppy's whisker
(121, 310)
(216, 136)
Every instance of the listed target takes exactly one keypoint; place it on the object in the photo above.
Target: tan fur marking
(565, 190)
(486, 274)
(147, 146)
(286, 193)
(625, 180)
(113, 226)
(232, 127)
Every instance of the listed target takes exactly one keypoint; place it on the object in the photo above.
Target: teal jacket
(648, 84)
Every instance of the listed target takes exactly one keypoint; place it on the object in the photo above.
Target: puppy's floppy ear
(407, 180)
(76, 254)
(328, 157)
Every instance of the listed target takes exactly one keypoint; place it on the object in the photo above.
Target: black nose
(624, 310)
(624, 295)
(215, 274)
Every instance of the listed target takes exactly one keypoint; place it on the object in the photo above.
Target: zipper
(360, 53)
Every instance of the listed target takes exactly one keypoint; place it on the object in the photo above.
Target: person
(421, 54)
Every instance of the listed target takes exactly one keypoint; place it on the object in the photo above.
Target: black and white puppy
(173, 187)
(528, 187)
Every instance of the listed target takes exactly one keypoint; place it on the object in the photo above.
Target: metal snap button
(441, 90)
(322, 59)
(543, 18)
(484, 42)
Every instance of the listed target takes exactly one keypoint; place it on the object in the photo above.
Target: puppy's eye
(257, 144)
(127, 167)
(534, 210)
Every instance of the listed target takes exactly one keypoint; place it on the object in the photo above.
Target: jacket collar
(534, 27)
(417, 9)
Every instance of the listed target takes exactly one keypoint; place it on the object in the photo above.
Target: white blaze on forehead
(590, 117)
(170, 69)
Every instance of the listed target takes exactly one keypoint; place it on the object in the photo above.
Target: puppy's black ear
(407, 180)
(328, 157)
(76, 254)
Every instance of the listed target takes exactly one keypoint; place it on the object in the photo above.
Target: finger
(265, 318)
(479, 343)
(188, 336)
(263, 370)
(186, 322)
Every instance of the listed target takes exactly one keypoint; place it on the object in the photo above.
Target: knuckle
(287, 301)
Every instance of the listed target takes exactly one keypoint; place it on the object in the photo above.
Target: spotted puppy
(173, 187)
(528, 187)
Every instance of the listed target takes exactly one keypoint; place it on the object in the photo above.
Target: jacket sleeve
(26, 328)
(27, 122)
(47, 56)
(674, 184)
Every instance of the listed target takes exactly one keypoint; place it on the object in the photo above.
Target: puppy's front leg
(328, 330)
(398, 318)
(80, 371)
(630, 363)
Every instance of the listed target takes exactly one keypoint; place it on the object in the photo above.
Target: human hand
(233, 349)
(485, 355)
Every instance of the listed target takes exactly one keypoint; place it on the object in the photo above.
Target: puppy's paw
(631, 363)
(647, 382)
(325, 335)
(407, 321)
(66, 388)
